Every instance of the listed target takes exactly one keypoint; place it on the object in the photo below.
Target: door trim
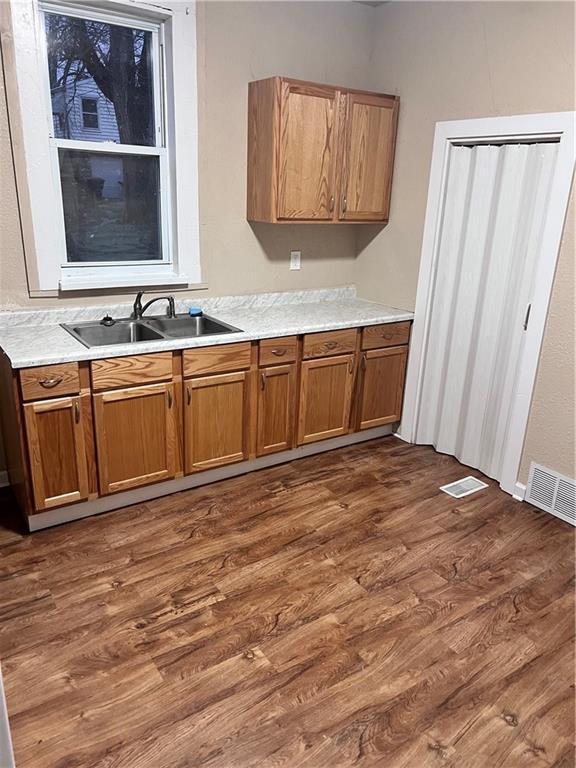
(559, 127)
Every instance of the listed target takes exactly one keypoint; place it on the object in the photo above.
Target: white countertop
(36, 338)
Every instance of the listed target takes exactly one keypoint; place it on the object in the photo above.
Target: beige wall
(451, 60)
(551, 435)
(237, 42)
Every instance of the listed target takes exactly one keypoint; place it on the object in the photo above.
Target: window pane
(90, 113)
(109, 64)
(111, 206)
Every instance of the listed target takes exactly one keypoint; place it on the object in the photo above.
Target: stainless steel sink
(126, 331)
(184, 326)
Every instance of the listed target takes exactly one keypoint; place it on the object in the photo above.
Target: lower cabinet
(216, 420)
(382, 373)
(56, 449)
(120, 423)
(135, 436)
(276, 409)
(325, 398)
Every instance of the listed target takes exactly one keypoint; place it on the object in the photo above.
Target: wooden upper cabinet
(318, 153)
(368, 156)
(57, 453)
(135, 436)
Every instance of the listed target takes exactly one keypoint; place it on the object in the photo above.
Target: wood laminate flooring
(335, 611)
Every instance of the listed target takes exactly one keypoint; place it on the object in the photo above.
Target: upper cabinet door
(368, 157)
(307, 148)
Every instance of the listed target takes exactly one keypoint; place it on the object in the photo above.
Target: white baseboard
(519, 491)
(4, 479)
(139, 495)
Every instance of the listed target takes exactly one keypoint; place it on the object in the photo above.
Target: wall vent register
(552, 492)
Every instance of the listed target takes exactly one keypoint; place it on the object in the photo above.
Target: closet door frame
(558, 127)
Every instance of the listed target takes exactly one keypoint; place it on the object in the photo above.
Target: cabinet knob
(49, 383)
(331, 344)
(350, 366)
(169, 398)
(331, 203)
(363, 363)
(344, 204)
(188, 395)
(76, 412)
(262, 381)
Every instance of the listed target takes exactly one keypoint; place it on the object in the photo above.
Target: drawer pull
(279, 352)
(49, 383)
(331, 344)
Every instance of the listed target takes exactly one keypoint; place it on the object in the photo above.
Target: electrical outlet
(295, 257)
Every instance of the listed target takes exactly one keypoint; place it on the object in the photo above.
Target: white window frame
(36, 148)
(85, 113)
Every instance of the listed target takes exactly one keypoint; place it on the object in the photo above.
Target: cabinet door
(308, 122)
(368, 157)
(56, 448)
(382, 374)
(325, 398)
(216, 420)
(135, 436)
(276, 409)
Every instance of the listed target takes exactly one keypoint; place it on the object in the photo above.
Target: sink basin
(184, 326)
(95, 334)
(122, 332)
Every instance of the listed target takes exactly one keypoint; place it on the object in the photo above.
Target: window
(90, 113)
(111, 143)
(112, 207)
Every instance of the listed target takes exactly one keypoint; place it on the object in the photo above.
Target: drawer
(220, 359)
(115, 372)
(385, 335)
(281, 350)
(329, 343)
(49, 381)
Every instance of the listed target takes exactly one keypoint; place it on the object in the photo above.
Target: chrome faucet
(138, 310)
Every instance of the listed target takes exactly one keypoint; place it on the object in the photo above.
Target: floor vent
(463, 487)
(552, 492)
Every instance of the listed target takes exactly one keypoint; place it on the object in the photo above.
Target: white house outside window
(110, 143)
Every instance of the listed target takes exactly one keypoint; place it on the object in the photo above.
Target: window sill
(138, 281)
